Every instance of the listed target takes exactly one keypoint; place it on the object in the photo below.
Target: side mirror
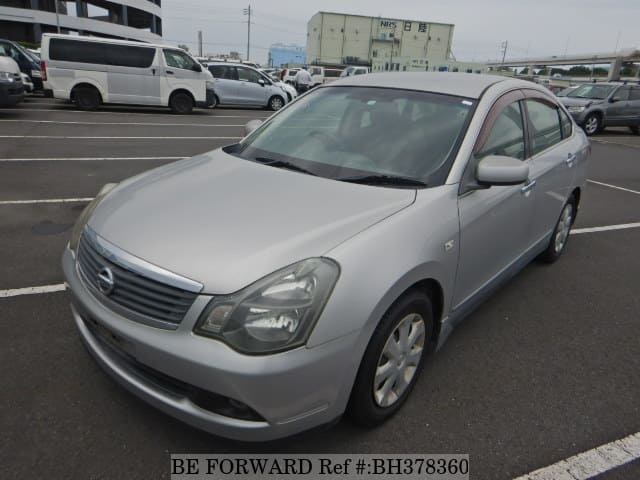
(261, 81)
(614, 99)
(501, 170)
(197, 68)
(251, 125)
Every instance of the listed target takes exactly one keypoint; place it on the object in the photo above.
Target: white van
(90, 71)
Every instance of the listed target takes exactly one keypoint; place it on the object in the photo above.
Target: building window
(374, 53)
(407, 26)
(422, 27)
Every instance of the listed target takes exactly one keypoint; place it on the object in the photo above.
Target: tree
(184, 47)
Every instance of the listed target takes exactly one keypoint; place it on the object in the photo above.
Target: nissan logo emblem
(106, 283)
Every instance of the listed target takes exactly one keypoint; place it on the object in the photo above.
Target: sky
(531, 27)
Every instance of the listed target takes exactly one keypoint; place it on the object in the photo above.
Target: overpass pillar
(614, 69)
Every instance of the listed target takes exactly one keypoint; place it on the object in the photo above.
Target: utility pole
(504, 47)
(200, 43)
(247, 11)
(57, 15)
(393, 42)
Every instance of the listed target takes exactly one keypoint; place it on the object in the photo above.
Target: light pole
(247, 11)
(57, 15)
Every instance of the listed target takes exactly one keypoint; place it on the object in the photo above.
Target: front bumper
(291, 391)
(210, 100)
(11, 93)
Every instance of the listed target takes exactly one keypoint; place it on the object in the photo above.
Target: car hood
(578, 102)
(226, 222)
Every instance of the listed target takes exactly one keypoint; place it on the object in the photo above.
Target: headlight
(86, 214)
(274, 314)
(576, 109)
(6, 76)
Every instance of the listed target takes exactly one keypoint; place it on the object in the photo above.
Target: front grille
(134, 292)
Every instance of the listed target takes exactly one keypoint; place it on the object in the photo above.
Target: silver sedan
(270, 286)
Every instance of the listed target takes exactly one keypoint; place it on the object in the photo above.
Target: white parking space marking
(46, 200)
(84, 159)
(16, 292)
(630, 145)
(159, 114)
(622, 226)
(592, 462)
(614, 186)
(145, 124)
(55, 137)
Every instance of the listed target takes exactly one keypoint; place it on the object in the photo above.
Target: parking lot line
(145, 124)
(15, 292)
(46, 200)
(164, 137)
(607, 142)
(159, 114)
(614, 186)
(607, 228)
(84, 159)
(592, 462)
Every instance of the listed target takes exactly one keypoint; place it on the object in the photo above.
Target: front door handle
(153, 71)
(571, 158)
(170, 72)
(528, 187)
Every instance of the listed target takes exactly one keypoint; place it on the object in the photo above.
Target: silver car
(238, 84)
(270, 286)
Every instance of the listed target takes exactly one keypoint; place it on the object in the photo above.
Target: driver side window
(178, 59)
(507, 134)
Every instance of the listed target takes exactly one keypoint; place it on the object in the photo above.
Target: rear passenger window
(129, 56)
(507, 135)
(635, 94)
(565, 122)
(545, 125)
(76, 51)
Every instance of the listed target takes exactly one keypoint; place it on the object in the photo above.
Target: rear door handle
(571, 158)
(528, 187)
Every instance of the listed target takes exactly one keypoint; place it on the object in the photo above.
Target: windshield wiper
(384, 180)
(284, 164)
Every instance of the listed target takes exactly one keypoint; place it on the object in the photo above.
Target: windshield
(596, 92)
(345, 132)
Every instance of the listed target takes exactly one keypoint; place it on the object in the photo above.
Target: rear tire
(181, 103)
(635, 129)
(393, 360)
(561, 233)
(87, 98)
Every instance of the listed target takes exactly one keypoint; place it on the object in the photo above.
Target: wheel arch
(182, 90)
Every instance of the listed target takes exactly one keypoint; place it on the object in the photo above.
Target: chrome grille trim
(138, 293)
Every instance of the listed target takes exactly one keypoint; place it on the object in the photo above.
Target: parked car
(26, 82)
(310, 268)
(28, 63)
(11, 87)
(595, 106)
(91, 71)
(351, 71)
(239, 84)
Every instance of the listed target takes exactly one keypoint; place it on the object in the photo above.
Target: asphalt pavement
(545, 369)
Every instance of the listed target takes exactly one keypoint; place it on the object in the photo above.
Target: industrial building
(384, 44)
(27, 20)
(286, 55)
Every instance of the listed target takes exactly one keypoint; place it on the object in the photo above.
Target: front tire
(635, 129)
(393, 360)
(181, 103)
(275, 103)
(592, 124)
(561, 232)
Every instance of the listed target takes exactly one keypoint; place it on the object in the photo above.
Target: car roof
(87, 38)
(459, 84)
